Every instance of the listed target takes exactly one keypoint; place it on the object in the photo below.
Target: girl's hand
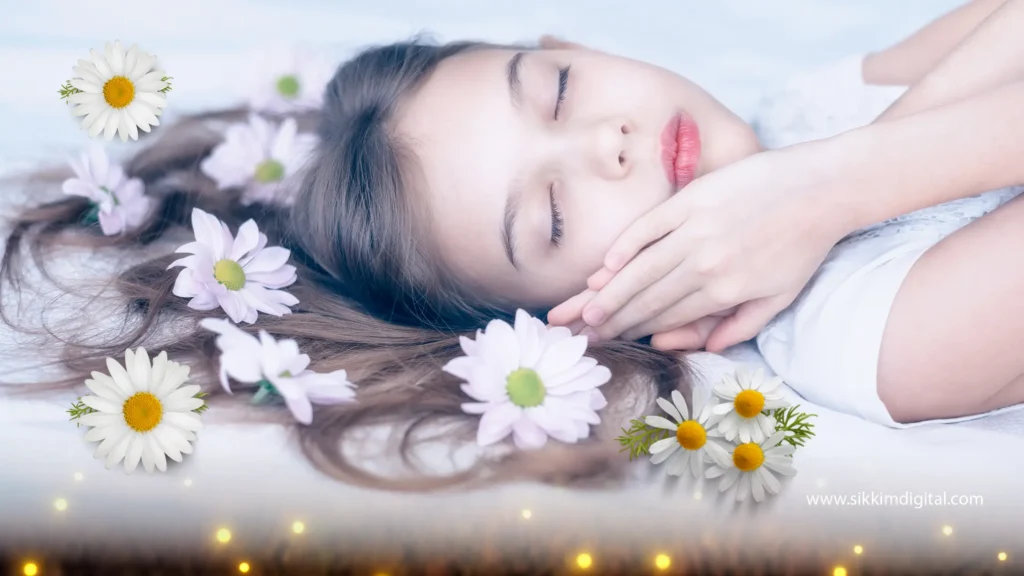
(748, 236)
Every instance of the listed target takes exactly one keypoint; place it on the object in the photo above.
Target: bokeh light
(60, 504)
(584, 561)
(662, 561)
(839, 571)
(858, 549)
(947, 530)
(527, 514)
(298, 527)
(1002, 556)
(188, 482)
(30, 569)
(244, 567)
(79, 476)
(224, 535)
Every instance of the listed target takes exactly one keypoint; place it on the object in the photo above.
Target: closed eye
(563, 84)
(557, 223)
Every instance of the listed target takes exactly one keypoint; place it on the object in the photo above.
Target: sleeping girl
(452, 185)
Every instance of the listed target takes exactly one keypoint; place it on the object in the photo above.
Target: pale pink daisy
(119, 203)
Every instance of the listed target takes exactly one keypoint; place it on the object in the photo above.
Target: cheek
(606, 218)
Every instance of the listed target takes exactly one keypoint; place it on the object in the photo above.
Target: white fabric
(826, 344)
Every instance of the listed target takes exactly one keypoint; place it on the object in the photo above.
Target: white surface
(253, 478)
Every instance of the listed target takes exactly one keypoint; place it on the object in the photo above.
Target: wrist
(834, 167)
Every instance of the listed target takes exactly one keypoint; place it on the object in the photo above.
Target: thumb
(749, 318)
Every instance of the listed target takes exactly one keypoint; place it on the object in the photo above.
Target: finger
(690, 308)
(750, 318)
(689, 337)
(576, 327)
(599, 279)
(638, 276)
(649, 228)
(570, 310)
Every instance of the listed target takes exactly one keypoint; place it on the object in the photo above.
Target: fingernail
(593, 316)
(590, 333)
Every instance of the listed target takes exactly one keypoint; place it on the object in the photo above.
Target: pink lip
(680, 149)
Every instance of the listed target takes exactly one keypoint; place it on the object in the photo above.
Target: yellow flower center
(749, 403)
(288, 86)
(525, 388)
(269, 171)
(691, 435)
(142, 412)
(229, 273)
(119, 92)
(748, 457)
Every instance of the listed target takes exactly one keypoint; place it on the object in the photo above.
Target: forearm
(991, 56)
(895, 167)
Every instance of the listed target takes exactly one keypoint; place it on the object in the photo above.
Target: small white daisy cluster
(729, 429)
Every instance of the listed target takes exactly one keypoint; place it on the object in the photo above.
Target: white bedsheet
(252, 477)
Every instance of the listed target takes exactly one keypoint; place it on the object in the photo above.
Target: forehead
(460, 125)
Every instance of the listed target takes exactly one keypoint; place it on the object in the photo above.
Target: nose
(603, 148)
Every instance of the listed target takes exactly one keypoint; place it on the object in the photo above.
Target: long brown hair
(373, 298)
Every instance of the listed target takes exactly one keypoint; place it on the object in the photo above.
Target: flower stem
(265, 389)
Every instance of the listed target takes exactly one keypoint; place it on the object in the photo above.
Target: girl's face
(533, 162)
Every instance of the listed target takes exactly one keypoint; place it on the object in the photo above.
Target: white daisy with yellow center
(262, 158)
(118, 91)
(531, 381)
(750, 466)
(746, 397)
(239, 274)
(142, 411)
(690, 445)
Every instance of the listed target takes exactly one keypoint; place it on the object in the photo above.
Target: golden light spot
(1002, 556)
(60, 504)
(244, 567)
(298, 527)
(142, 412)
(748, 457)
(224, 535)
(662, 561)
(858, 549)
(698, 495)
(584, 560)
(947, 529)
(839, 571)
(527, 514)
(30, 569)
(749, 403)
(229, 273)
(691, 435)
(188, 482)
(79, 476)
(119, 92)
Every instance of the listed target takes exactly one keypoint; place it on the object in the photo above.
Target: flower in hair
(531, 381)
(277, 369)
(117, 91)
(747, 396)
(261, 158)
(239, 274)
(289, 81)
(118, 203)
(692, 440)
(141, 411)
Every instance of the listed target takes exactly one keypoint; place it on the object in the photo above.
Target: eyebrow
(515, 190)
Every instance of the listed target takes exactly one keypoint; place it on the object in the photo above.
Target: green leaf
(639, 438)
(79, 409)
(205, 406)
(797, 425)
(66, 90)
(167, 88)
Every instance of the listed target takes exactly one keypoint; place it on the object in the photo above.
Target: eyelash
(557, 223)
(563, 83)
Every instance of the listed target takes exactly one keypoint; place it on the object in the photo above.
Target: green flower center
(288, 86)
(229, 273)
(269, 171)
(525, 388)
